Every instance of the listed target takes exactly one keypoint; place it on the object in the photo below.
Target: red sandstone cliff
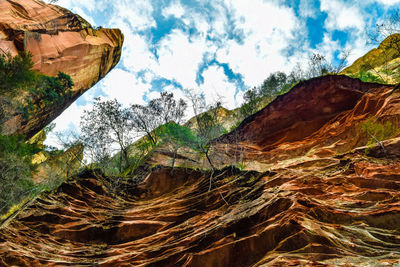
(59, 41)
(309, 196)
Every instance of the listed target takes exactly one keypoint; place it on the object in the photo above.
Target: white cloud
(217, 87)
(389, 2)
(327, 47)
(342, 15)
(70, 115)
(180, 57)
(268, 29)
(307, 9)
(347, 16)
(125, 87)
(175, 9)
(137, 14)
(153, 95)
(137, 56)
(83, 14)
(90, 5)
(199, 22)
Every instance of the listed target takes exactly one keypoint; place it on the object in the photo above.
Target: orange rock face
(309, 196)
(59, 41)
(317, 119)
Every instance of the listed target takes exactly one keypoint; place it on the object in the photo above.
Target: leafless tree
(207, 125)
(159, 111)
(107, 124)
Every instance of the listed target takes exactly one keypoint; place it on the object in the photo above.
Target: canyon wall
(304, 194)
(60, 41)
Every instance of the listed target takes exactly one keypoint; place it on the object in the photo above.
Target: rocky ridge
(381, 62)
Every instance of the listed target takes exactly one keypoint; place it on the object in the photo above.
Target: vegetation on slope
(378, 132)
(380, 64)
(16, 155)
(18, 79)
(195, 136)
(109, 127)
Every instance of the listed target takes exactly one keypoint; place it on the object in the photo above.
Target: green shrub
(378, 132)
(369, 77)
(16, 170)
(16, 156)
(15, 144)
(179, 135)
(241, 166)
(15, 72)
(51, 91)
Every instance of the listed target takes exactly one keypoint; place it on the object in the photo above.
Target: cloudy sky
(219, 47)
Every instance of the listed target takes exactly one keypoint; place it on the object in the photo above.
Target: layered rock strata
(306, 196)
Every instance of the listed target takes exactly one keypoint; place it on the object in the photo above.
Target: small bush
(15, 72)
(16, 170)
(50, 90)
(16, 76)
(378, 132)
(369, 77)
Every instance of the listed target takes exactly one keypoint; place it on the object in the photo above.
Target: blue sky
(218, 47)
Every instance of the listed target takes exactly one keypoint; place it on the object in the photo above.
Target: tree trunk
(120, 162)
(209, 160)
(173, 159)
(126, 158)
(151, 138)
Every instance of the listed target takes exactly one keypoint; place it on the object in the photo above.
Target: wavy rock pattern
(317, 119)
(312, 199)
(346, 214)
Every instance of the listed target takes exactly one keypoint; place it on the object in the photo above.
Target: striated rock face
(59, 41)
(306, 196)
(318, 118)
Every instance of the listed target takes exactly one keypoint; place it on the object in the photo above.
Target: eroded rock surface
(319, 118)
(344, 212)
(59, 41)
(307, 196)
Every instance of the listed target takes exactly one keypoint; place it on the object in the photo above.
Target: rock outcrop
(381, 62)
(318, 118)
(306, 195)
(59, 41)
